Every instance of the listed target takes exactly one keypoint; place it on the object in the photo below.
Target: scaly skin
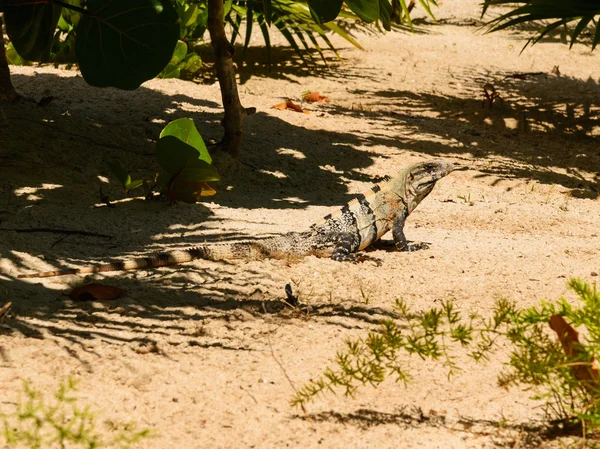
(341, 235)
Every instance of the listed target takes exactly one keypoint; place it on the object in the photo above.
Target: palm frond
(295, 20)
(559, 11)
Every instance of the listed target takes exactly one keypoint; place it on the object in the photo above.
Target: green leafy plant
(305, 23)
(13, 57)
(185, 158)
(38, 423)
(181, 152)
(561, 367)
(124, 177)
(183, 64)
(559, 14)
(546, 353)
(429, 335)
(123, 44)
(193, 19)
(295, 20)
(466, 199)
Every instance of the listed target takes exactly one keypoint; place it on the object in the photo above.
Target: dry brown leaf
(95, 291)
(313, 97)
(289, 104)
(587, 373)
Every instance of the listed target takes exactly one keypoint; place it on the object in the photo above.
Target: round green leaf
(198, 171)
(173, 155)
(183, 161)
(325, 10)
(31, 27)
(12, 56)
(189, 14)
(179, 53)
(192, 63)
(185, 130)
(170, 71)
(124, 43)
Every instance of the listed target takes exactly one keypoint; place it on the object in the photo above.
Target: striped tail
(152, 261)
(219, 251)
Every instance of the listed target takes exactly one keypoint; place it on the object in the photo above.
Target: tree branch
(234, 112)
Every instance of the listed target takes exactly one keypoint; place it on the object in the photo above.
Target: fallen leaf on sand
(289, 104)
(94, 291)
(313, 97)
(583, 368)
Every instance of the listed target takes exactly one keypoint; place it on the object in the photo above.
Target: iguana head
(421, 178)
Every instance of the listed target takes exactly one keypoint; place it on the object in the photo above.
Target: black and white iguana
(340, 235)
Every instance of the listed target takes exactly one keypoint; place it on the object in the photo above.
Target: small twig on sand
(59, 231)
(59, 240)
(284, 371)
(249, 394)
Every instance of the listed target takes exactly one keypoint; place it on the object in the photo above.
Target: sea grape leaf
(179, 53)
(12, 56)
(30, 27)
(185, 130)
(192, 63)
(123, 44)
(170, 71)
(189, 14)
(183, 160)
(325, 10)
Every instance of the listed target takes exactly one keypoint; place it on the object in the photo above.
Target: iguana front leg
(400, 240)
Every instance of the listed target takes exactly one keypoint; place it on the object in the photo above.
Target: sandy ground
(201, 353)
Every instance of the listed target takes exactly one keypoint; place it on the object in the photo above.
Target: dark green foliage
(325, 10)
(558, 12)
(123, 44)
(30, 27)
(124, 177)
(536, 359)
(118, 44)
(183, 64)
(193, 19)
(367, 10)
(182, 152)
(305, 23)
(293, 19)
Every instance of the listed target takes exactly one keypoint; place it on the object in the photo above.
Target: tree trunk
(234, 112)
(7, 91)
